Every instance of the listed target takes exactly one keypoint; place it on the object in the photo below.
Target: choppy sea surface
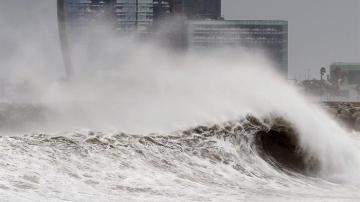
(249, 159)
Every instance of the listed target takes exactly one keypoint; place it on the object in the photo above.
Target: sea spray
(144, 88)
(150, 89)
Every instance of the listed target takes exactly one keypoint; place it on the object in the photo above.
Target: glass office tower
(124, 15)
(268, 35)
(79, 13)
(198, 9)
(133, 15)
(201, 25)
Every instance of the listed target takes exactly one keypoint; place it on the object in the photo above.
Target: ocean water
(222, 162)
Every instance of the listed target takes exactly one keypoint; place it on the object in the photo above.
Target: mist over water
(121, 84)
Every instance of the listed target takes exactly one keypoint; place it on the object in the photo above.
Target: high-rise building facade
(162, 9)
(133, 15)
(200, 25)
(198, 9)
(136, 15)
(124, 15)
(78, 13)
(268, 35)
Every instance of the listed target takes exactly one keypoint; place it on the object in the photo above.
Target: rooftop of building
(241, 22)
(347, 65)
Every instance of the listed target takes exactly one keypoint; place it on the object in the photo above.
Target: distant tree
(322, 72)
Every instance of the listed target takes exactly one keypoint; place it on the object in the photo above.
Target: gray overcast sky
(320, 31)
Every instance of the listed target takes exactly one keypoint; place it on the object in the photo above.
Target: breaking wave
(247, 159)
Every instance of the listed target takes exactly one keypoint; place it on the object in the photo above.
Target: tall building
(162, 9)
(201, 25)
(268, 35)
(80, 12)
(135, 15)
(198, 9)
(124, 15)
